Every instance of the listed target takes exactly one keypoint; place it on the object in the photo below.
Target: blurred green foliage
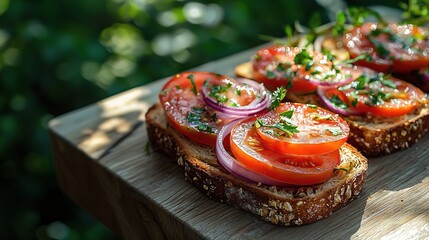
(60, 55)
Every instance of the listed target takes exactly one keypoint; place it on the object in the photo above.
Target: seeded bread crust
(371, 136)
(278, 205)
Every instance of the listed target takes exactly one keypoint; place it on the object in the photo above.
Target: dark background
(60, 55)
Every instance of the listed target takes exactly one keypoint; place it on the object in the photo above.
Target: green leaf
(357, 15)
(338, 102)
(287, 114)
(388, 83)
(271, 74)
(258, 123)
(285, 127)
(304, 58)
(194, 88)
(278, 95)
(366, 56)
(340, 24)
(336, 131)
(379, 47)
(289, 32)
(416, 12)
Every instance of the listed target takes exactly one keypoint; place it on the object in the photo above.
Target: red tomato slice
(185, 108)
(393, 48)
(248, 148)
(302, 129)
(297, 69)
(381, 95)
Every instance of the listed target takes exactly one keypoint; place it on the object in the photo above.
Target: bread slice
(370, 135)
(278, 205)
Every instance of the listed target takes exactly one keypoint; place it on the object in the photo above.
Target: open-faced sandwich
(398, 49)
(385, 114)
(287, 163)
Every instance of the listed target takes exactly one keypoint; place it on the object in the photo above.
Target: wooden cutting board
(103, 165)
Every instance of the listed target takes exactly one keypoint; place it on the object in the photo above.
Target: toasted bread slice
(278, 205)
(372, 136)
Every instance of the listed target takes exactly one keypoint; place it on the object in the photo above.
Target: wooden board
(103, 166)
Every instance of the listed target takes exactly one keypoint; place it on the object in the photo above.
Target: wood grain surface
(103, 165)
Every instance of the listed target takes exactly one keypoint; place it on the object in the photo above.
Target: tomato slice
(185, 108)
(299, 70)
(248, 148)
(392, 48)
(380, 95)
(301, 129)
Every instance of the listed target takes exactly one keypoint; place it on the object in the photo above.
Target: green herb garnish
(216, 92)
(287, 114)
(366, 56)
(337, 102)
(195, 117)
(379, 47)
(271, 74)
(278, 95)
(285, 127)
(415, 12)
(340, 24)
(345, 169)
(304, 58)
(388, 83)
(336, 131)
(357, 15)
(194, 88)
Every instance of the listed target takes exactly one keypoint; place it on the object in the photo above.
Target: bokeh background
(60, 55)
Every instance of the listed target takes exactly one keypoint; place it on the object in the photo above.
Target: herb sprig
(196, 117)
(284, 125)
(194, 87)
(278, 95)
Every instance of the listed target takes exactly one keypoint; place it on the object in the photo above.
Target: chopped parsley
(379, 47)
(304, 58)
(340, 24)
(388, 83)
(284, 127)
(238, 92)
(270, 74)
(362, 81)
(336, 131)
(196, 117)
(163, 92)
(366, 56)
(194, 88)
(345, 169)
(287, 114)
(278, 95)
(216, 92)
(337, 102)
(378, 98)
(357, 15)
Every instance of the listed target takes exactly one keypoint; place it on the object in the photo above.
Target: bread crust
(278, 205)
(373, 137)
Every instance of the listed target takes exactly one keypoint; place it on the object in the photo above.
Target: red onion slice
(332, 107)
(258, 105)
(235, 167)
